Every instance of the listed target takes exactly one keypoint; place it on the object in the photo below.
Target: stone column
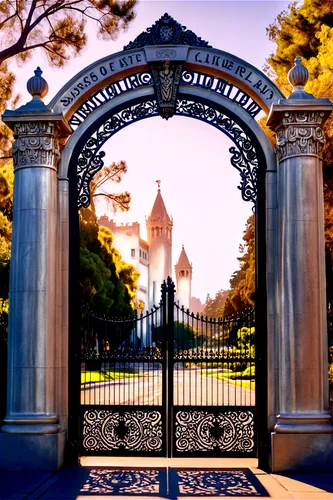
(30, 437)
(303, 432)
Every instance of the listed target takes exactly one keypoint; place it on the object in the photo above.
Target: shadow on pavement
(80, 483)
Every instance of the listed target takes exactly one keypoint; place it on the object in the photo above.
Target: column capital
(36, 138)
(299, 126)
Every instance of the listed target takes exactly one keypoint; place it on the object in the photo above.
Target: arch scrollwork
(243, 153)
(90, 160)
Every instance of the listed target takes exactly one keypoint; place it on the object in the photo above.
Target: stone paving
(164, 479)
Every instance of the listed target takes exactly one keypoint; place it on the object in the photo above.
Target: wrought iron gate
(168, 383)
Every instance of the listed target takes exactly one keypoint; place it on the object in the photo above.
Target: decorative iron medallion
(204, 431)
(138, 430)
(167, 31)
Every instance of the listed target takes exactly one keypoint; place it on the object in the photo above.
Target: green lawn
(101, 376)
(227, 374)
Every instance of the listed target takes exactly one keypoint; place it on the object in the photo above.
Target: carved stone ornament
(167, 75)
(35, 144)
(300, 133)
(167, 31)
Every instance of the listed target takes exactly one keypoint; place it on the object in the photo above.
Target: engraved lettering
(241, 98)
(226, 63)
(207, 60)
(253, 109)
(93, 77)
(197, 57)
(66, 100)
(240, 70)
(208, 82)
(247, 78)
(264, 90)
(87, 81)
(216, 60)
(111, 65)
(257, 85)
(80, 86)
(103, 70)
(123, 63)
(138, 58)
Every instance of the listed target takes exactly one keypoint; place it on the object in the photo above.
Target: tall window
(133, 252)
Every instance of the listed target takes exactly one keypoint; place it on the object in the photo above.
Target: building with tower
(153, 257)
(159, 238)
(183, 271)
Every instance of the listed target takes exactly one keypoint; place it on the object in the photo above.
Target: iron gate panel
(161, 384)
(123, 396)
(211, 414)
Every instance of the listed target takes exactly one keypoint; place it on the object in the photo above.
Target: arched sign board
(208, 61)
(167, 70)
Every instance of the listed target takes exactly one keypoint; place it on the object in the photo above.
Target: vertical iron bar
(165, 399)
(171, 298)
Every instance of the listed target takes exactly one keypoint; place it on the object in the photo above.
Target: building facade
(152, 257)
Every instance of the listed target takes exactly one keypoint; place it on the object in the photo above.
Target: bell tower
(183, 270)
(159, 238)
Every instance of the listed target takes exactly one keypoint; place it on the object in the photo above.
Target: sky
(198, 183)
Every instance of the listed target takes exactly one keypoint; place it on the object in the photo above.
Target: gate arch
(178, 73)
(97, 114)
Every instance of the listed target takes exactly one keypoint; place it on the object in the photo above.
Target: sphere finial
(37, 86)
(298, 75)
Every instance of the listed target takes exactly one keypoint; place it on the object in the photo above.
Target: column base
(42, 452)
(301, 452)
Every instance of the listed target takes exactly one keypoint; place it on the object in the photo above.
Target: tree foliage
(107, 283)
(242, 282)
(98, 187)
(213, 308)
(307, 30)
(58, 27)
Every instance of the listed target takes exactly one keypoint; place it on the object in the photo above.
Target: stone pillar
(30, 437)
(302, 437)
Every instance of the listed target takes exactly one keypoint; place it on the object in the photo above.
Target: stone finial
(37, 86)
(298, 75)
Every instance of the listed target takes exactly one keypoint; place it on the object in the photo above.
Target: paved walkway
(191, 387)
(164, 478)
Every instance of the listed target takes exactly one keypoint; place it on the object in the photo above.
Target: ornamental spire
(298, 77)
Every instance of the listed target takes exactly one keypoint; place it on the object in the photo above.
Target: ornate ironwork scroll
(205, 430)
(138, 430)
(243, 156)
(166, 83)
(90, 160)
(167, 31)
(107, 94)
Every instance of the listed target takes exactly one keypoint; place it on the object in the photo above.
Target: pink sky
(199, 186)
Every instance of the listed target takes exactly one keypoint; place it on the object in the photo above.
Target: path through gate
(168, 383)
